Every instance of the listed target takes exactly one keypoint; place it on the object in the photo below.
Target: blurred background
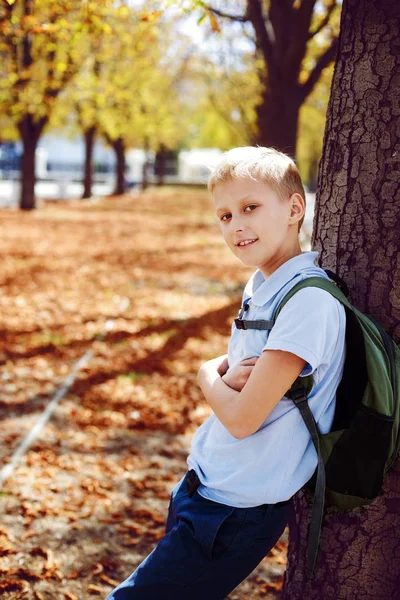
(101, 97)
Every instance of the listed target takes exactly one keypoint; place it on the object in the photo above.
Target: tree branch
(281, 15)
(264, 37)
(325, 20)
(303, 18)
(300, 34)
(323, 61)
(219, 13)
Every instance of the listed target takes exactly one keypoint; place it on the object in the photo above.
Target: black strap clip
(298, 395)
(192, 482)
(240, 324)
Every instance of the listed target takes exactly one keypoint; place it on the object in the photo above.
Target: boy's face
(259, 227)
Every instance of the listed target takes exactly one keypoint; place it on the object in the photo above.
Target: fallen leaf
(109, 580)
(69, 596)
(95, 589)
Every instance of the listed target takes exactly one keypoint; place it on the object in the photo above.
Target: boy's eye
(225, 217)
(251, 207)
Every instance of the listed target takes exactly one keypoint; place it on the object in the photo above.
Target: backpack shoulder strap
(298, 394)
(318, 282)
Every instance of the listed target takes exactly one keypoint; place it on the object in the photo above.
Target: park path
(88, 499)
(62, 189)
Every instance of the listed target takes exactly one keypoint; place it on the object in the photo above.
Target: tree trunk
(89, 143)
(312, 175)
(356, 230)
(30, 134)
(160, 163)
(119, 148)
(145, 168)
(277, 118)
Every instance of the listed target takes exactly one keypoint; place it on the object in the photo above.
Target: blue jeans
(207, 550)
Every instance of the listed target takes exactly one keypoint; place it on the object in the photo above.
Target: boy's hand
(223, 366)
(218, 364)
(238, 375)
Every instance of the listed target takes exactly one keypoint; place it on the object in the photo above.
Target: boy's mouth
(245, 243)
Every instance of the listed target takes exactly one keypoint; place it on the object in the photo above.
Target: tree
(356, 230)
(41, 46)
(86, 116)
(143, 106)
(221, 99)
(296, 41)
(122, 87)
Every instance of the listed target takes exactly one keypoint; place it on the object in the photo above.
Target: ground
(144, 288)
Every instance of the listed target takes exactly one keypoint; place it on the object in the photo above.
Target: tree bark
(30, 133)
(356, 231)
(119, 148)
(88, 175)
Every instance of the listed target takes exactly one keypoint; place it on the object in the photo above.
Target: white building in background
(190, 167)
(59, 158)
(66, 157)
(195, 165)
(135, 159)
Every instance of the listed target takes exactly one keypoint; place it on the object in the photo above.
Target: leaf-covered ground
(144, 285)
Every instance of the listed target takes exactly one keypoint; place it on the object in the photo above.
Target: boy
(254, 452)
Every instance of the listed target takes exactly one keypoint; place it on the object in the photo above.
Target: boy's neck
(268, 270)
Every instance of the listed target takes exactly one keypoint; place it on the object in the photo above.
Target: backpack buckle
(297, 396)
(240, 324)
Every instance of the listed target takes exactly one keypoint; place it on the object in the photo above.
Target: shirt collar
(260, 289)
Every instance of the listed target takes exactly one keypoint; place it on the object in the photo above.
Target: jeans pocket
(224, 534)
(216, 527)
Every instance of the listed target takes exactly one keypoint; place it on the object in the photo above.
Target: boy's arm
(242, 413)
(305, 336)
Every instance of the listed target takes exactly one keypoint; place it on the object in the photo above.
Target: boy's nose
(237, 225)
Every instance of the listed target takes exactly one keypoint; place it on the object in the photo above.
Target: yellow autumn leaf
(152, 16)
(61, 67)
(12, 78)
(213, 20)
(123, 11)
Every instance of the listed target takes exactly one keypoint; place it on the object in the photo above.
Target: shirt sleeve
(308, 326)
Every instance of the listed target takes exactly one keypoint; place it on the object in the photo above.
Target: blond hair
(266, 165)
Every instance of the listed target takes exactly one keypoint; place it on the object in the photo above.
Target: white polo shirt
(273, 463)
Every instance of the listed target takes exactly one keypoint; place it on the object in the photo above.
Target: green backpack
(364, 439)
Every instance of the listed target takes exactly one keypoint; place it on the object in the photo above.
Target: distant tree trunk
(160, 163)
(119, 148)
(145, 168)
(278, 117)
(312, 174)
(89, 135)
(282, 34)
(356, 230)
(30, 133)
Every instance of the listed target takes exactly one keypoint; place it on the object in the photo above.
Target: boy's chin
(249, 263)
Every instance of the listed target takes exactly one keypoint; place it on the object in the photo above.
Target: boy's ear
(297, 208)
